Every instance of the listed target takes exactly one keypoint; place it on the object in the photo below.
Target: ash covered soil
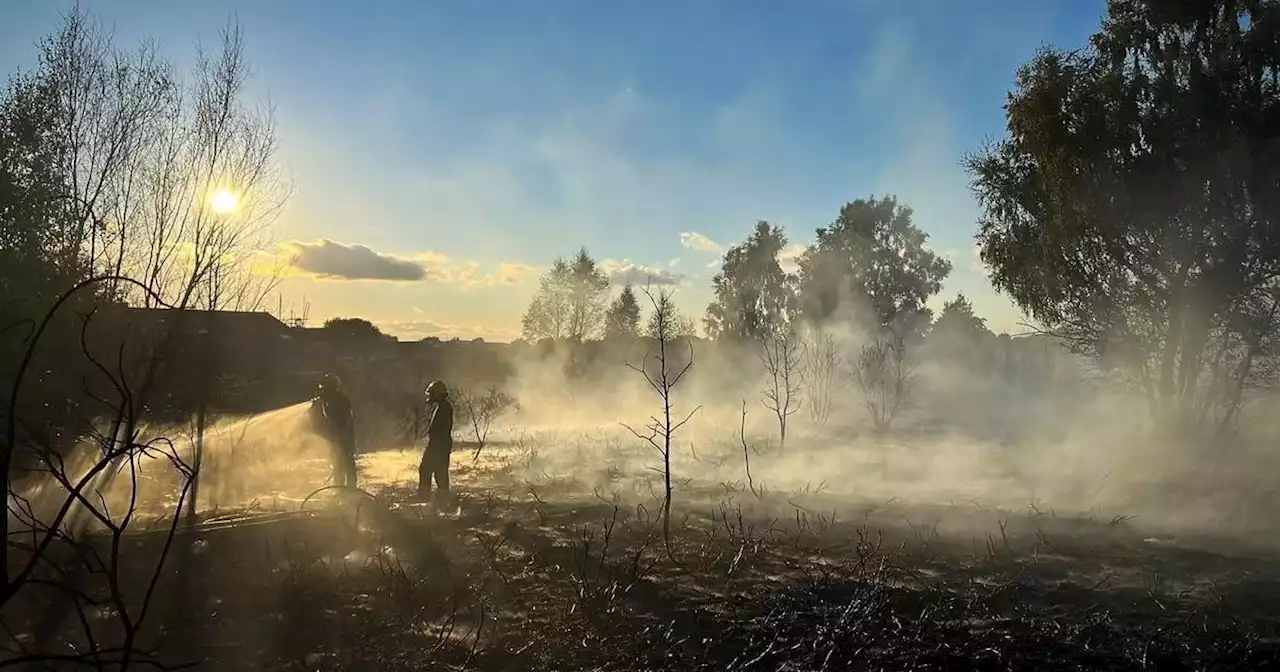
(535, 568)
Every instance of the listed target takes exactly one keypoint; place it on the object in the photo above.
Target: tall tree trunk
(1243, 369)
(1172, 338)
(1195, 337)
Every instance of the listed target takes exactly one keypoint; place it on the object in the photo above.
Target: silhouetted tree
(622, 320)
(872, 261)
(570, 302)
(960, 337)
(39, 244)
(356, 329)
(1132, 207)
(957, 316)
(40, 254)
(753, 294)
(107, 163)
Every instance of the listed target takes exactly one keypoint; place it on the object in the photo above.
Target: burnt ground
(545, 574)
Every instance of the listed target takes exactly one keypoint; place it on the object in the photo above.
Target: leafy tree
(666, 320)
(1131, 209)
(39, 257)
(353, 329)
(570, 303)
(36, 220)
(957, 319)
(622, 319)
(873, 258)
(115, 151)
(958, 334)
(752, 292)
(106, 164)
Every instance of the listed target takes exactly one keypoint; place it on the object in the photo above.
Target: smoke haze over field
(1014, 424)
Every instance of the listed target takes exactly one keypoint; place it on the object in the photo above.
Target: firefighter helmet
(330, 383)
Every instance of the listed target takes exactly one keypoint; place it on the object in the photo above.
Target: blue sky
(484, 138)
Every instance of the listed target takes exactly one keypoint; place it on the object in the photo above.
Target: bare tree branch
(885, 375)
(780, 354)
(664, 329)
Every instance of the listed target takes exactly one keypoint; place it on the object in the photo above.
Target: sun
(224, 202)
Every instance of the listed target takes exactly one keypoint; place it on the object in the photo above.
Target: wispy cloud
(625, 271)
(510, 273)
(699, 243)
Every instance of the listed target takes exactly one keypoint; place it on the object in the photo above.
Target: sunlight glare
(224, 202)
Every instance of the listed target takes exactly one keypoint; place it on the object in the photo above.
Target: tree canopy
(959, 335)
(38, 249)
(107, 158)
(872, 260)
(1131, 209)
(570, 302)
(957, 319)
(622, 319)
(353, 328)
(753, 295)
(666, 321)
